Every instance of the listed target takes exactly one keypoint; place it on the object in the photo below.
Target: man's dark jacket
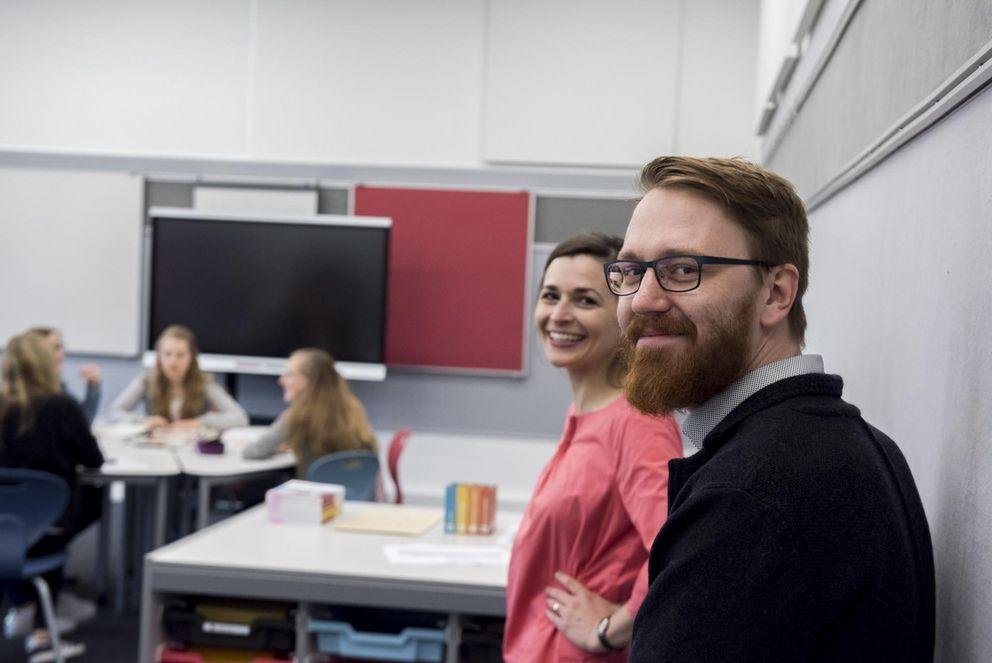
(795, 534)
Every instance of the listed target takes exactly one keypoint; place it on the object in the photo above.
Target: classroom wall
(426, 83)
(898, 301)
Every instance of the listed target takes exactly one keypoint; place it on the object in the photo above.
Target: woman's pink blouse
(596, 509)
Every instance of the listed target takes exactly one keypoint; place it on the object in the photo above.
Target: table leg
(302, 633)
(203, 503)
(150, 627)
(453, 637)
(140, 540)
(118, 527)
(103, 543)
(161, 509)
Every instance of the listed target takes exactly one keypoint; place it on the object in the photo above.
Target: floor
(109, 638)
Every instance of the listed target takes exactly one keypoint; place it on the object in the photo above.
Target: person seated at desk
(578, 568)
(175, 392)
(323, 415)
(89, 372)
(42, 428)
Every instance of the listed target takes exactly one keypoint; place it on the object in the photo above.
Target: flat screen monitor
(254, 288)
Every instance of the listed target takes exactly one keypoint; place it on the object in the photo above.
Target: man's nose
(650, 296)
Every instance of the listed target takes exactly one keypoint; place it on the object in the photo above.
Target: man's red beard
(660, 380)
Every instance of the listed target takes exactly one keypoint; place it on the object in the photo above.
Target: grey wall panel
(332, 201)
(893, 54)
(557, 218)
(899, 306)
(168, 194)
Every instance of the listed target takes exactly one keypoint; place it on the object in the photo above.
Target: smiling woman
(578, 571)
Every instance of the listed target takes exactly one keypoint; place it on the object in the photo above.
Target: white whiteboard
(70, 256)
(254, 201)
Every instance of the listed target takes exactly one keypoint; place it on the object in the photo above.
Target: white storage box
(306, 502)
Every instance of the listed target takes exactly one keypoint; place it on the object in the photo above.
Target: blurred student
(578, 570)
(175, 392)
(89, 372)
(323, 415)
(42, 428)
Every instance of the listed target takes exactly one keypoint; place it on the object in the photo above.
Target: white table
(132, 464)
(245, 556)
(211, 470)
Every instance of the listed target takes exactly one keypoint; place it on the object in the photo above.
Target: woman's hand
(156, 421)
(576, 611)
(90, 373)
(185, 423)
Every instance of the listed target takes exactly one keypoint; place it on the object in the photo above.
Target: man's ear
(779, 291)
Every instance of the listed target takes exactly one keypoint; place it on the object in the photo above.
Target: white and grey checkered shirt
(698, 423)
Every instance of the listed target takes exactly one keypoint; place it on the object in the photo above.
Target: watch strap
(601, 628)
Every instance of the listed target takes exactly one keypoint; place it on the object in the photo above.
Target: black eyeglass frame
(653, 265)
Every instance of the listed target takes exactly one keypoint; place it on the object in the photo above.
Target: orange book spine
(488, 510)
(474, 508)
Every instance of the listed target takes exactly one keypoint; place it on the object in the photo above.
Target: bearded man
(796, 532)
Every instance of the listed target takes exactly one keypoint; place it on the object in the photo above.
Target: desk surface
(128, 457)
(123, 459)
(230, 463)
(247, 556)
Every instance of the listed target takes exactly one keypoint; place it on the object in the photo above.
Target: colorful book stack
(469, 508)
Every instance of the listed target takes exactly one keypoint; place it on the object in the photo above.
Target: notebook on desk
(406, 521)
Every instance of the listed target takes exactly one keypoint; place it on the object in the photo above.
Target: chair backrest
(396, 447)
(357, 471)
(30, 502)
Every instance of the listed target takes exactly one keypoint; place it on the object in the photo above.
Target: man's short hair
(765, 205)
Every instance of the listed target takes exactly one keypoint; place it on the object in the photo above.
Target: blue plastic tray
(410, 644)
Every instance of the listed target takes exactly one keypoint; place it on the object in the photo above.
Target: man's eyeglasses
(674, 273)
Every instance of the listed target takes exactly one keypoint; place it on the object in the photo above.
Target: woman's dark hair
(595, 244)
(602, 247)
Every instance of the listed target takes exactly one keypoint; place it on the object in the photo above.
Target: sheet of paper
(114, 464)
(439, 554)
(120, 431)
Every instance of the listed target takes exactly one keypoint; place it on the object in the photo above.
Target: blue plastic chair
(30, 502)
(357, 471)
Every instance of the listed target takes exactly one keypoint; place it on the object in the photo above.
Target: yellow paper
(403, 520)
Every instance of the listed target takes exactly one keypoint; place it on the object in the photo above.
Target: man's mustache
(659, 324)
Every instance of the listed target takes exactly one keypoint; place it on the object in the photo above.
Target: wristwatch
(601, 629)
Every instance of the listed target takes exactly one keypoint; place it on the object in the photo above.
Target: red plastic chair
(396, 446)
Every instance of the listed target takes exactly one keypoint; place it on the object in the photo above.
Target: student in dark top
(89, 372)
(41, 428)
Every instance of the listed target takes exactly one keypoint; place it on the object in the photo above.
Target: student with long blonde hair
(42, 428)
(89, 372)
(175, 392)
(323, 415)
